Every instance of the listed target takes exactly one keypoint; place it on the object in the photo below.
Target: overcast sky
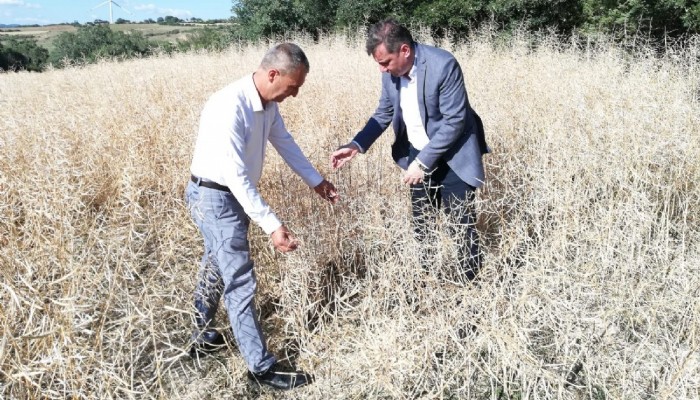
(42, 12)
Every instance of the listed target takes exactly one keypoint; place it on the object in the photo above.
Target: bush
(206, 38)
(94, 42)
(22, 54)
(169, 20)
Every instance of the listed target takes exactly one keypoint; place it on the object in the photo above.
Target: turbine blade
(101, 4)
(116, 4)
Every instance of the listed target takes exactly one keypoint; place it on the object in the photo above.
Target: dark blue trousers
(443, 189)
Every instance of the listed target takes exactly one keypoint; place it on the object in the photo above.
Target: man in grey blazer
(439, 139)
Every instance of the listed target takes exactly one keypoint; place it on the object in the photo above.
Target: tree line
(255, 19)
(98, 41)
(654, 18)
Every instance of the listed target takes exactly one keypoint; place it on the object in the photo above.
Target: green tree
(656, 17)
(457, 16)
(94, 42)
(22, 54)
(363, 12)
(170, 20)
(9, 59)
(206, 38)
(560, 15)
(691, 18)
(266, 18)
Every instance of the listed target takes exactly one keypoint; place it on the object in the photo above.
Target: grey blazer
(455, 131)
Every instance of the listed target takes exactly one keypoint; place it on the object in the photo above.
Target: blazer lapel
(396, 100)
(421, 71)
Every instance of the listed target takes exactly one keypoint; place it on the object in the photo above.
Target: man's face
(397, 64)
(285, 85)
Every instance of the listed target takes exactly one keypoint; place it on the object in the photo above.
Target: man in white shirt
(222, 195)
(439, 139)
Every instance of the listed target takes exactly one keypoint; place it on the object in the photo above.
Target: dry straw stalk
(589, 217)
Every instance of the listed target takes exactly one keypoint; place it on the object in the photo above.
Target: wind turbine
(110, 2)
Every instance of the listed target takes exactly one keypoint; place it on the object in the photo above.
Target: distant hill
(9, 26)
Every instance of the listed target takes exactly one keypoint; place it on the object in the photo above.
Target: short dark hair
(389, 32)
(286, 57)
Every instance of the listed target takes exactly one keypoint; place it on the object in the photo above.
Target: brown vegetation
(589, 217)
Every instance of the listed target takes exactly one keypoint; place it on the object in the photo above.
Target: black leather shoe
(277, 378)
(199, 350)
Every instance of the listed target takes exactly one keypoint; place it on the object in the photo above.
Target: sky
(45, 12)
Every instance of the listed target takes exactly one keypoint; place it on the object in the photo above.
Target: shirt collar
(412, 73)
(252, 93)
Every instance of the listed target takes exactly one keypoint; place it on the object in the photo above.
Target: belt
(209, 184)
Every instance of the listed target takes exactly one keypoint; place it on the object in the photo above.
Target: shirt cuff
(423, 167)
(313, 180)
(270, 223)
(358, 146)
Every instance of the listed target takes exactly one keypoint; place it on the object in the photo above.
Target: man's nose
(382, 68)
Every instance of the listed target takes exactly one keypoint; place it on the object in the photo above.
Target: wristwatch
(423, 167)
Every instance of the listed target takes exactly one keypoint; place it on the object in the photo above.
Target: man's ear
(271, 73)
(405, 50)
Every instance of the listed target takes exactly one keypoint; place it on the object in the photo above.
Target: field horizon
(45, 34)
(589, 220)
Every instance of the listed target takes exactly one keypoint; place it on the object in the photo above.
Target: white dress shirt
(233, 132)
(408, 101)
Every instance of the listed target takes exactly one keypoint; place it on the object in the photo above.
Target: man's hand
(283, 240)
(343, 154)
(327, 191)
(414, 174)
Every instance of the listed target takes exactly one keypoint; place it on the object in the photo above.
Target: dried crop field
(590, 221)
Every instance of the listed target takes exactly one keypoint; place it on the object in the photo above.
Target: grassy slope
(46, 34)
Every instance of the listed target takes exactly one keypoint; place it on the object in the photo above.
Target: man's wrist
(422, 167)
(355, 146)
(352, 146)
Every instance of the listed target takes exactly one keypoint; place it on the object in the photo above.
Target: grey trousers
(227, 269)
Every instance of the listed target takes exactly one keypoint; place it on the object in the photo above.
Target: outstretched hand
(343, 154)
(414, 174)
(283, 240)
(327, 191)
